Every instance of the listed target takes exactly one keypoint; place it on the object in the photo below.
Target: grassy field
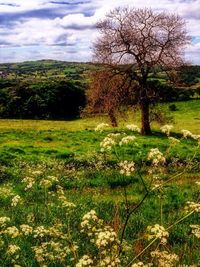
(52, 173)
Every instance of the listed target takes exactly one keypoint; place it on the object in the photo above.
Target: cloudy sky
(65, 29)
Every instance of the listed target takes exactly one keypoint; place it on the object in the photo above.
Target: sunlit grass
(187, 116)
(70, 151)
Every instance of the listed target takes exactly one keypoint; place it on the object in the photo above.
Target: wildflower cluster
(36, 172)
(85, 261)
(166, 129)
(6, 191)
(187, 133)
(195, 230)
(15, 200)
(56, 248)
(141, 264)
(100, 127)
(107, 144)
(127, 167)
(12, 249)
(164, 258)
(133, 127)
(103, 237)
(173, 140)
(48, 181)
(29, 181)
(192, 206)
(4, 221)
(13, 252)
(26, 229)
(51, 251)
(63, 200)
(127, 140)
(12, 231)
(156, 156)
(157, 231)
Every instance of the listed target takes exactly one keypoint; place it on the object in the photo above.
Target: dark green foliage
(160, 115)
(189, 75)
(57, 99)
(49, 89)
(164, 92)
(173, 107)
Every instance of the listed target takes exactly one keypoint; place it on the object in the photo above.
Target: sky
(65, 29)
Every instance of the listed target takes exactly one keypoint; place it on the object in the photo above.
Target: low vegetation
(73, 194)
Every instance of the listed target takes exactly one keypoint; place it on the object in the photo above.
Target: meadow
(73, 196)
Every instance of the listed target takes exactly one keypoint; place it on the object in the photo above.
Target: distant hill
(50, 69)
(43, 69)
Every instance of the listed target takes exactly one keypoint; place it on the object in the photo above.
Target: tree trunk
(146, 129)
(112, 118)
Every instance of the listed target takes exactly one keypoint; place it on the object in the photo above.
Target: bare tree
(108, 91)
(143, 40)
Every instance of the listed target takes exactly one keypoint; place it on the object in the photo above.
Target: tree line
(66, 99)
(54, 99)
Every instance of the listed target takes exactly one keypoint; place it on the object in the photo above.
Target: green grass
(187, 116)
(70, 151)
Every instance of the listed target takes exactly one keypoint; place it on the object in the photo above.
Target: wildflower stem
(129, 213)
(161, 210)
(143, 251)
(180, 220)
(143, 182)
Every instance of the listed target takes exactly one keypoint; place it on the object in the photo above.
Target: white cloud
(71, 29)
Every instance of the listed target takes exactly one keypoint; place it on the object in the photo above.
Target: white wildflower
(26, 229)
(105, 237)
(156, 156)
(192, 206)
(127, 139)
(100, 127)
(29, 181)
(107, 144)
(12, 231)
(4, 221)
(15, 200)
(110, 260)
(65, 203)
(133, 128)
(173, 140)
(186, 133)
(30, 218)
(196, 137)
(45, 183)
(12, 249)
(85, 261)
(40, 231)
(158, 231)
(196, 230)
(166, 129)
(127, 167)
(141, 264)
(164, 258)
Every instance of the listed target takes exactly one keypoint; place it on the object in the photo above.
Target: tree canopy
(142, 41)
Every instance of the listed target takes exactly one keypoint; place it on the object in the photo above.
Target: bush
(173, 107)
